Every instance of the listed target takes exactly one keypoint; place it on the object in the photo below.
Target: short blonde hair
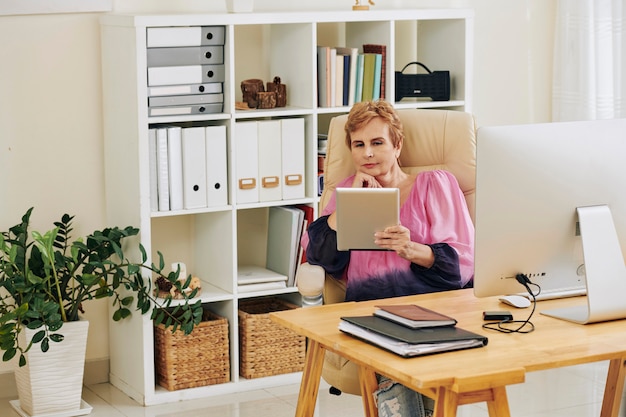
(362, 112)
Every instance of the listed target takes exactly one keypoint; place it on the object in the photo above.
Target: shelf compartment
(202, 242)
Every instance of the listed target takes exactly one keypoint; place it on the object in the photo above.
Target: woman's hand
(362, 180)
(398, 239)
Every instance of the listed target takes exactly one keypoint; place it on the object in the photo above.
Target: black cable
(502, 326)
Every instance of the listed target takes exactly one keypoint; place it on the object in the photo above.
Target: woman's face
(373, 152)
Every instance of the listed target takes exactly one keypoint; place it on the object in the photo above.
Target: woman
(432, 249)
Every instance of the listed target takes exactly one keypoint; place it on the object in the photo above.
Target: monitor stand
(605, 270)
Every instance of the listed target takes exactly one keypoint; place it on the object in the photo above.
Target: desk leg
(499, 405)
(369, 384)
(448, 401)
(310, 380)
(614, 388)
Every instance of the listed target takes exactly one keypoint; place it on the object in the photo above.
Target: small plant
(46, 278)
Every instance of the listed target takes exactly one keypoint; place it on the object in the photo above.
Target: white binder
(194, 168)
(292, 139)
(247, 162)
(270, 184)
(152, 162)
(184, 36)
(185, 74)
(217, 168)
(178, 90)
(163, 170)
(175, 162)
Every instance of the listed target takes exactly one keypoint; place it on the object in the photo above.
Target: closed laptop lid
(361, 212)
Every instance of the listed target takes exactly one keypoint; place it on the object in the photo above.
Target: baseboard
(7, 385)
(96, 372)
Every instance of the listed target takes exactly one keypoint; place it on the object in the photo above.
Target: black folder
(410, 342)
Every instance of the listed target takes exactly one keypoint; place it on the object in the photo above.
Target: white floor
(568, 392)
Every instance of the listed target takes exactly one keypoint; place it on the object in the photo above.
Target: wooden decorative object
(250, 88)
(358, 6)
(266, 100)
(280, 90)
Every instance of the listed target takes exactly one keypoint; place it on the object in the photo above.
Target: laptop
(361, 212)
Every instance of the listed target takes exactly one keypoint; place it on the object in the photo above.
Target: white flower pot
(52, 381)
(239, 6)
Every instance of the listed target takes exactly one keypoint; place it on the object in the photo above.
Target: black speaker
(434, 84)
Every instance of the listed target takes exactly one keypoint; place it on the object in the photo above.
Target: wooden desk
(461, 377)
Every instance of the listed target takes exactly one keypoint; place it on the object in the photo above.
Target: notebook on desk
(361, 212)
(410, 342)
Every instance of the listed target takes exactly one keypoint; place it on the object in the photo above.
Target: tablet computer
(361, 212)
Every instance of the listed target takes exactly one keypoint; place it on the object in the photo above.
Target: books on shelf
(382, 50)
(377, 74)
(283, 252)
(339, 81)
(349, 77)
(253, 274)
(284, 230)
(346, 76)
(413, 316)
(323, 76)
(369, 65)
(358, 93)
(252, 278)
(407, 342)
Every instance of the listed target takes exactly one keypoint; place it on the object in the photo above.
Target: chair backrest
(434, 139)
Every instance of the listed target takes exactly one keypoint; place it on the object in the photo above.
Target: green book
(369, 64)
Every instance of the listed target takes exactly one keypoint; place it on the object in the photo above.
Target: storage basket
(194, 360)
(265, 347)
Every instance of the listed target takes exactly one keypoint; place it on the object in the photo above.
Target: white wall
(50, 102)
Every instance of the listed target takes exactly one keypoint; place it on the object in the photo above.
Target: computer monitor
(538, 186)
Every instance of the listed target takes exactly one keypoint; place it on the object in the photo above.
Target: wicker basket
(265, 347)
(194, 360)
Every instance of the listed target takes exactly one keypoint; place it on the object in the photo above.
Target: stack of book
(347, 75)
(411, 330)
(286, 224)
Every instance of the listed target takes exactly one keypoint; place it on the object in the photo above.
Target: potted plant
(45, 280)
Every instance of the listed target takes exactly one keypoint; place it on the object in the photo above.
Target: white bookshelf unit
(213, 241)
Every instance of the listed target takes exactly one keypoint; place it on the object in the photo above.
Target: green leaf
(9, 354)
(124, 312)
(160, 315)
(56, 337)
(38, 337)
(126, 301)
(144, 255)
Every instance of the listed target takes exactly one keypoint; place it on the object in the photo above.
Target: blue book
(346, 79)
